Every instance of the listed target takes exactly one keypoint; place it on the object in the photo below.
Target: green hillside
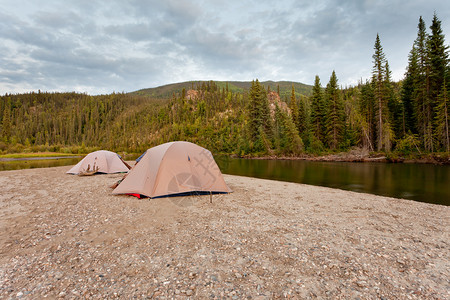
(167, 91)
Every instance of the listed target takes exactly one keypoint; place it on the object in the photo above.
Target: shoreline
(67, 236)
(36, 158)
(355, 155)
(356, 158)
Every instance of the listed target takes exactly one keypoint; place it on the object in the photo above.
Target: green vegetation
(255, 118)
(36, 154)
(167, 91)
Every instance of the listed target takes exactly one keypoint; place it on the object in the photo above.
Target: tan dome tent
(101, 161)
(174, 168)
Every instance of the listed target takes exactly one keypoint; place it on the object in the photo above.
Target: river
(419, 182)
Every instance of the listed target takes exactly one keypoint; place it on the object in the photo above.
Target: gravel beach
(65, 236)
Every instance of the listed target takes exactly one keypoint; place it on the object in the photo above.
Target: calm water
(37, 163)
(425, 183)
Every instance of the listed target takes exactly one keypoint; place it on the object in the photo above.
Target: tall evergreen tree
(335, 113)
(259, 114)
(294, 108)
(302, 117)
(367, 113)
(438, 57)
(442, 119)
(278, 128)
(317, 111)
(384, 137)
(394, 106)
(294, 142)
(286, 137)
(409, 123)
(422, 88)
(438, 64)
(253, 109)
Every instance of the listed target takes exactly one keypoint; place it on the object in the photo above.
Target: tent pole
(210, 196)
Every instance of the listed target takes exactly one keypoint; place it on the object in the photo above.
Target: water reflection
(425, 183)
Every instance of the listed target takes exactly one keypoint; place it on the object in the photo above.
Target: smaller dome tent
(172, 169)
(101, 161)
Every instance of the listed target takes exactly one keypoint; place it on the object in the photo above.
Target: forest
(407, 118)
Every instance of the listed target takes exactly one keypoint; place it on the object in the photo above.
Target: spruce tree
(293, 142)
(384, 137)
(421, 88)
(302, 117)
(278, 129)
(394, 106)
(259, 115)
(442, 121)
(293, 107)
(265, 112)
(438, 58)
(335, 113)
(317, 111)
(409, 124)
(438, 64)
(367, 112)
(253, 110)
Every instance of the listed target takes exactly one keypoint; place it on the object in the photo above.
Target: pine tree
(384, 137)
(253, 110)
(259, 113)
(438, 65)
(317, 111)
(442, 119)
(367, 113)
(302, 117)
(335, 113)
(438, 57)
(294, 144)
(409, 123)
(293, 107)
(278, 129)
(265, 113)
(393, 104)
(422, 88)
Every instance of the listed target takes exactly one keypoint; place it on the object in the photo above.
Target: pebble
(361, 283)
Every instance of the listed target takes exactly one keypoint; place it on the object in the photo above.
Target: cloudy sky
(104, 46)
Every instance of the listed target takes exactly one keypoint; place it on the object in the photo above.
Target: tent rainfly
(172, 169)
(101, 161)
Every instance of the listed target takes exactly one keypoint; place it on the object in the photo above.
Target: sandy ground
(64, 236)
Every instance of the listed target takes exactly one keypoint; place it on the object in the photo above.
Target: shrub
(408, 145)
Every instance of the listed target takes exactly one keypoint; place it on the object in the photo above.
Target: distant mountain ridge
(166, 91)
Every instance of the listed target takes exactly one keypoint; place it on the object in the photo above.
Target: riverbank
(36, 155)
(361, 155)
(67, 236)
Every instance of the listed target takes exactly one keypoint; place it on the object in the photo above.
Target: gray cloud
(93, 47)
